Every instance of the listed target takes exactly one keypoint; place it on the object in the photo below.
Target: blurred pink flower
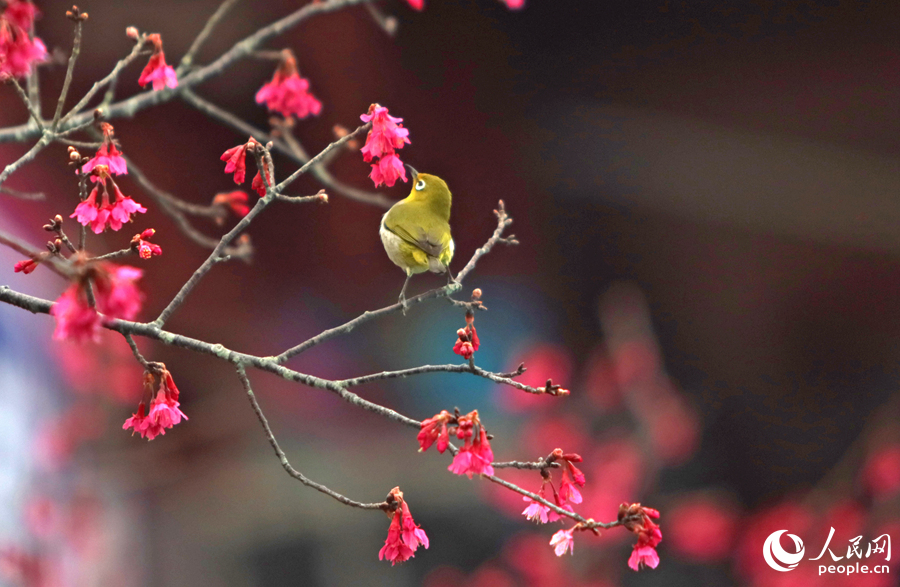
(236, 160)
(643, 555)
(702, 528)
(107, 155)
(562, 541)
(881, 472)
(18, 51)
(288, 93)
(75, 319)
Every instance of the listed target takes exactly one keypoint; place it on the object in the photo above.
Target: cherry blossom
(288, 93)
(156, 70)
(105, 214)
(18, 51)
(383, 139)
(562, 541)
(404, 536)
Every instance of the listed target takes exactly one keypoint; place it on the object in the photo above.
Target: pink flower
(18, 51)
(236, 160)
(75, 319)
(514, 4)
(404, 536)
(164, 411)
(536, 511)
(637, 519)
(387, 171)
(643, 555)
(435, 428)
(118, 295)
(386, 136)
(288, 93)
(156, 70)
(568, 491)
(563, 541)
(236, 200)
(417, 4)
(107, 155)
(141, 243)
(106, 215)
(413, 535)
(474, 458)
(139, 422)
(258, 184)
(467, 342)
(394, 549)
(26, 266)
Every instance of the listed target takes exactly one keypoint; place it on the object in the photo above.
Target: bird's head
(429, 188)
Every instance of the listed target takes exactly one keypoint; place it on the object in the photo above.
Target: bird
(416, 230)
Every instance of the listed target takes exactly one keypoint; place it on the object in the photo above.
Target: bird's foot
(403, 303)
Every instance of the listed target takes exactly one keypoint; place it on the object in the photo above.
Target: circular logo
(777, 557)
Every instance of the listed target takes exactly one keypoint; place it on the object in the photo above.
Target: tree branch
(461, 368)
(245, 381)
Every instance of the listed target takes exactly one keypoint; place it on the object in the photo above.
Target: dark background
(737, 161)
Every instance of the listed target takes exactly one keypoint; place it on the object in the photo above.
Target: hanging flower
(288, 93)
(383, 139)
(156, 70)
(563, 541)
(164, 407)
(435, 428)
(236, 200)
(107, 155)
(404, 536)
(637, 518)
(476, 456)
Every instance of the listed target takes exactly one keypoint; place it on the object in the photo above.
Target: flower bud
(132, 33)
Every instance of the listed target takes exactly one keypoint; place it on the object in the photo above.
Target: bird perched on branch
(416, 231)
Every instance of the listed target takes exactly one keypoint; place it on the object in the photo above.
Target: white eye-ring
(420, 185)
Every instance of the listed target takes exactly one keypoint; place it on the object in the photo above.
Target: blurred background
(706, 196)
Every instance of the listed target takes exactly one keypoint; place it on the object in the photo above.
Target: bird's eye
(420, 185)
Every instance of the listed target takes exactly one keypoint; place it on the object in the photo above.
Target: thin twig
(114, 255)
(245, 381)
(23, 195)
(528, 465)
(315, 160)
(109, 79)
(201, 38)
(134, 350)
(45, 140)
(28, 105)
(462, 368)
(54, 263)
(76, 50)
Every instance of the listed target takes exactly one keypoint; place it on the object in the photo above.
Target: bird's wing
(431, 238)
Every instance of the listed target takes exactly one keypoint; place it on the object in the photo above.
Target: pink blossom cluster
(157, 71)
(637, 518)
(467, 338)
(404, 536)
(572, 478)
(164, 407)
(386, 136)
(105, 214)
(19, 52)
(236, 162)
(116, 296)
(236, 200)
(141, 244)
(475, 457)
(288, 93)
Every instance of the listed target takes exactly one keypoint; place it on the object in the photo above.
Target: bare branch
(22, 195)
(211, 24)
(76, 50)
(45, 140)
(245, 381)
(462, 368)
(31, 111)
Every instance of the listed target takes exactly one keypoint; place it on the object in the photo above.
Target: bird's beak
(412, 171)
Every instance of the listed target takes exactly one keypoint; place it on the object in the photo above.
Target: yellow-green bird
(416, 231)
